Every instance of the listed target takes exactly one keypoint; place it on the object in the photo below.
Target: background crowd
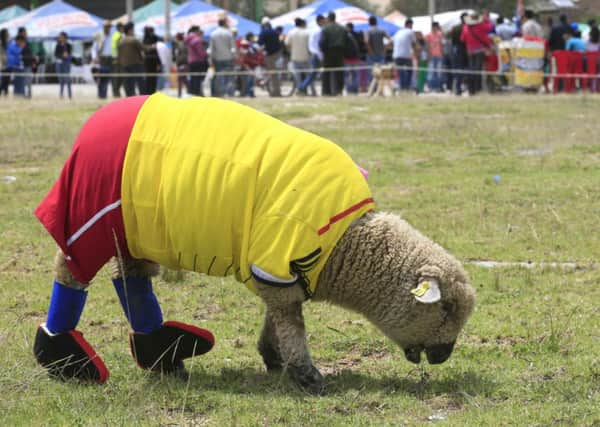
(337, 56)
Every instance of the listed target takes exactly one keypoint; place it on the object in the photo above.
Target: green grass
(530, 354)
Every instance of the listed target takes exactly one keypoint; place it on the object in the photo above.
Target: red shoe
(68, 355)
(165, 349)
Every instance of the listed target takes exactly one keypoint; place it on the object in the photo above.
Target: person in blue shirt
(14, 63)
(573, 41)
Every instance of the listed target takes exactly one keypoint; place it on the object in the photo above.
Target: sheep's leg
(268, 347)
(155, 345)
(284, 328)
(58, 346)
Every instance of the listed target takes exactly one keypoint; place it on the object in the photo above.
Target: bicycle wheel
(287, 83)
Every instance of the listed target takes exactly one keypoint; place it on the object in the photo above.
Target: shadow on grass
(464, 385)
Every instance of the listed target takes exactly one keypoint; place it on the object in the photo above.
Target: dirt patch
(534, 152)
(316, 119)
(532, 264)
(497, 341)
(207, 312)
(508, 341)
(30, 169)
(443, 404)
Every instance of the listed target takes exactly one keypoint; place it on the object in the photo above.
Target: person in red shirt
(197, 59)
(475, 36)
(435, 55)
(250, 56)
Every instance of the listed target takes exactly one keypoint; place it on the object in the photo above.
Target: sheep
(265, 227)
(372, 271)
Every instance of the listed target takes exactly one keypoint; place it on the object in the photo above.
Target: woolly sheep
(372, 271)
(260, 181)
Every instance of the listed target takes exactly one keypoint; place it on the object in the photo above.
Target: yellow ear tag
(421, 290)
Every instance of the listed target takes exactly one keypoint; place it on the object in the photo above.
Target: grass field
(530, 354)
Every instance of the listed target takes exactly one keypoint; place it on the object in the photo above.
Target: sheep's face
(433, 320)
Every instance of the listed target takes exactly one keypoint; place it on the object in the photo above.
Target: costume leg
(154, 345)
(58, 346)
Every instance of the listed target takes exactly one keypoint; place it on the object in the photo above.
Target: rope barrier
(264, 71)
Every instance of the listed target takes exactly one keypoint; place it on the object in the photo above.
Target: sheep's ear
(427, 292)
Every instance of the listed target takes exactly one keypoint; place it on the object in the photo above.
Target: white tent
(396, 17)
(447, 20)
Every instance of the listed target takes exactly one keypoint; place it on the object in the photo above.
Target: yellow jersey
(216, 187)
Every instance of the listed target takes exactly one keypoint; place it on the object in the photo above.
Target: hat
(473, 18)
(265, 20)
(107, 23)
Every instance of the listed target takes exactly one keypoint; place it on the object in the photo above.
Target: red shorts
(82, 211)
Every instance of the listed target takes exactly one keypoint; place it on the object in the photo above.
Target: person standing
(4, 74)
(250, 58)
(404, 44)
(556, 40)
(435, 41)
(102, 55)
(573, 41)
(14, 64)
(165, 57)
(375, 39)
(63, 54)
(222, 55)
(504, 29)
(131, 61)
(28, 60)
(593, 43)
(297, 44)
(333, 43)
(530, 27)
(352, 60)
(180, 54)
(269, 40)
(420, 59)
(459, 55)
(475, 36)
(316, 57)
(117, 80)
(197, 59)
(151, 60)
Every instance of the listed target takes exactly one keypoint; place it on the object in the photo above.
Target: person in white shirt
(297, 44)
(404, 41)
(102, 55)
(222, 50)
(505, 29)
(316, 57)
(531, 28)
(164, 55)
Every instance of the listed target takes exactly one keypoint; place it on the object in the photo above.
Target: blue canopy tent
(344, 13)
(11, 12)
(152, 13)
(47, 21)
(195, 12)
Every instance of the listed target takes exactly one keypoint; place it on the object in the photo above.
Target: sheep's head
(436, 313)
(427, 295)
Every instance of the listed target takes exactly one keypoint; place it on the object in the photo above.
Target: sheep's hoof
(308, 378)
(270, 357)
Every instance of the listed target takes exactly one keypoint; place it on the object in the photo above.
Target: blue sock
(139, 304)
(66, 306)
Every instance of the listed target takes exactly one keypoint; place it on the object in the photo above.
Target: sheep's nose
(439, 353)
(413, 354)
